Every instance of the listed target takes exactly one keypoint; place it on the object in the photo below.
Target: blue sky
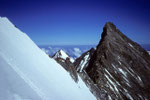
(73, 22)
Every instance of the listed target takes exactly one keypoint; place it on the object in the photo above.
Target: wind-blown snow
(27, 73)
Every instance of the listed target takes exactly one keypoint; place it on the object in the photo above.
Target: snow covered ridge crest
(62, 54)
(28, 73)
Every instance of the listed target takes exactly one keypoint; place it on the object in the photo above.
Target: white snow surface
(27, 73)
(45, 50)
(121, 70)
(149, 52)
(62, 54)
(130, 45)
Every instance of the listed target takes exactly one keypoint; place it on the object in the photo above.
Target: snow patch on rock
(84, 62)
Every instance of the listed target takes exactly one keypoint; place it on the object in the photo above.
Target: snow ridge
(26, 72)
(62, 54)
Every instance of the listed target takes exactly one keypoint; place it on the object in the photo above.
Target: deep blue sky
(78, 21)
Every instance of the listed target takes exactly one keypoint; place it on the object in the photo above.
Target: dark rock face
(120, 67)
(69, 67)
(82, 62)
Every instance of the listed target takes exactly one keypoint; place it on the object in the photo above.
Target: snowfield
(27, 73)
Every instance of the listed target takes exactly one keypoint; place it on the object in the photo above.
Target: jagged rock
(120, 67)
(80, 64)
(65, 61)
(83, 61)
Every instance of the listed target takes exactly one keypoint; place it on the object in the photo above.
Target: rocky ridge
(120, 67)
(66, 62)
(82, 62)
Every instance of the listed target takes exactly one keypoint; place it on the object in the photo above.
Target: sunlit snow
(27, 73)
(62, 54)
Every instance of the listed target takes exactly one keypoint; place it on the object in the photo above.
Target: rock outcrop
(120, 67)
(67, 63)
(82, 62)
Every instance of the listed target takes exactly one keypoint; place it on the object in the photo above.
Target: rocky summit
(120, 67)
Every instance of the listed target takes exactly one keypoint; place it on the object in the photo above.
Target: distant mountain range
(74, 51)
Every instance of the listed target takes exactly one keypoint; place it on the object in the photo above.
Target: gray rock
(66, 64)
(120, 67)
(82, 62)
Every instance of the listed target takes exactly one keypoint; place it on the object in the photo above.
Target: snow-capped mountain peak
(63, 55)
(60, 54)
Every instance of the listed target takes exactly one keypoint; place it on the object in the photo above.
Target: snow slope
(27, 73)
